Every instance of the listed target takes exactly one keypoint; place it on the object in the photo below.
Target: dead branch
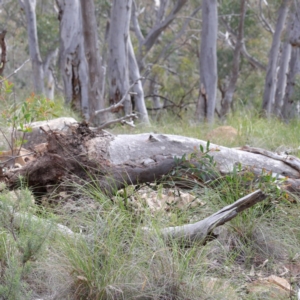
(200, 231)
(16, 70)
(290, 160)
(117, 105)
(121, 120)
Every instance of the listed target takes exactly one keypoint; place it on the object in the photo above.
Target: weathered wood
(201, 230)
(78, 152)
(117, 161)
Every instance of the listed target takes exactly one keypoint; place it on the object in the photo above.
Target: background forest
(226, 71)
(243, 54)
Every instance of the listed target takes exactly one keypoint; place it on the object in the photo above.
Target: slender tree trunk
(34, 51)
(282, 77)
(3, 51)
(118, 51)
(208, 62)
(73, 63)
(227, 101)
(134, 75)
(289, 109)
(270, 82)
(50, 85)
(94, 60)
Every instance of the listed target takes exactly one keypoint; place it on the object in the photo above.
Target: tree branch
(15, 71)
(180, 33)
(201, 230)
(136, 25)
(157, 30)
(264, 21)
(117, 105)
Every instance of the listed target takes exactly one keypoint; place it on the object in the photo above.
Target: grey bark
(227, 101)
(118, 53)
(289, 108)
(94, 60)
(270, 81)
(282, 78)
(138, 95)
(73, 64)
(48, 74)
(208, 62)
(34, 52)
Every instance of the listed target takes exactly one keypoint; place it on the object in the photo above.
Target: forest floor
(107, 255)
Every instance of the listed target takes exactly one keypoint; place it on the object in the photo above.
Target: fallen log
(79, 151)
(117, 161)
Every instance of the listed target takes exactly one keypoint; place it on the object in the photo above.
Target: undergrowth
(117, 252)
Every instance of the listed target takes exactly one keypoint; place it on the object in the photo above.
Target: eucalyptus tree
(290, 107)
(118, 73)
(208, 62)
(37, 64)
(73, 63)
(42, 76)
(271, 76)
(227, 100)
(96, 71)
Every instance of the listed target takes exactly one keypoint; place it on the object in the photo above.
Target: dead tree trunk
(75, 152)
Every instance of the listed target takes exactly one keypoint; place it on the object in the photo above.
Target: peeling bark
(118, 73)
(208, 62)
(73, 64)
(138, 95)
(94, 60)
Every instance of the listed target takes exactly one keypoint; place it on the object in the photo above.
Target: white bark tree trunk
(270, 82)
(118, 53)
(208, 62)
(289, 108)
(34, 52)
(227, 101)
(134, 75)
(50, 84)
(73, 63)
(94, 60)
(282, 77)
